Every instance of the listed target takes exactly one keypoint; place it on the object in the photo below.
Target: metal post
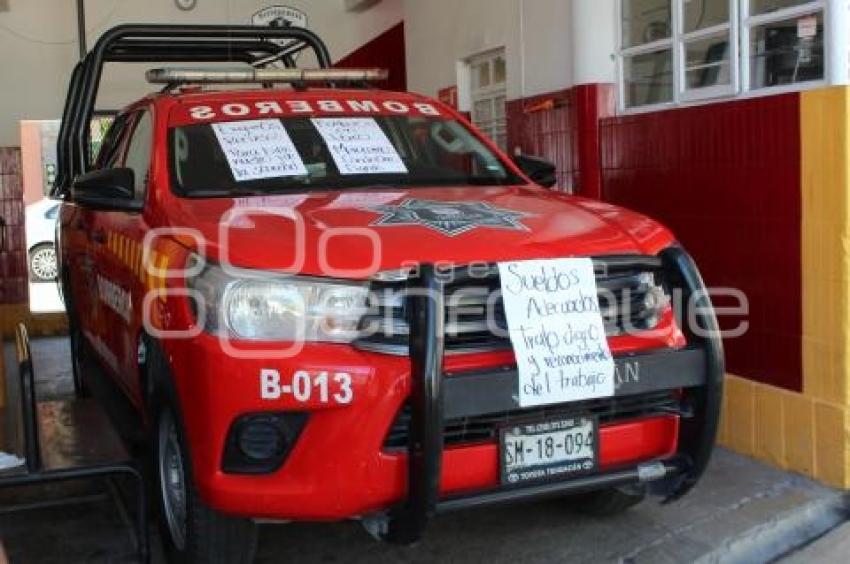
(29, 402)
(81, 28)
(2, 371)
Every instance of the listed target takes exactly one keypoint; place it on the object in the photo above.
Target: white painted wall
(546, 51)
(441, 33)
(593, 32)
(542, 40)
(38, 44)
(838, 42)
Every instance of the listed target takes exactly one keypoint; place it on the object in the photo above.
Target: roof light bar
(248, 76)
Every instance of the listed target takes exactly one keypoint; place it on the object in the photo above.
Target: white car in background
(41, 234)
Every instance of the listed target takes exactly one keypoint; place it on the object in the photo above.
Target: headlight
(266, 306)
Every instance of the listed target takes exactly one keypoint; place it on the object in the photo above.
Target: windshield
(302, 154)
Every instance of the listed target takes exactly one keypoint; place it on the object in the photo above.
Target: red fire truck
(328, 301)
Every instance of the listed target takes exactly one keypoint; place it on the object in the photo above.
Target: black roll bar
(64, 148)
(699, 433)
(134, 50)
(157, 43)
(425, 448)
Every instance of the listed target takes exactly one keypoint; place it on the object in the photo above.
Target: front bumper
(429, 407)
(340, 467)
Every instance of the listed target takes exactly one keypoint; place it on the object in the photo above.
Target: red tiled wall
(545, 126)
(563, 127)
(13, 275)
(726, 179)
(385, 51)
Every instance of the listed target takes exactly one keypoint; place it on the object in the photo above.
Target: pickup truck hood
(355, 233)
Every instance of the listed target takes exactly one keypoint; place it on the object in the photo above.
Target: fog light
(260, 443)
(260, 440)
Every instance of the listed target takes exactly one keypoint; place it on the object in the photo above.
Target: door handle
(3, 235)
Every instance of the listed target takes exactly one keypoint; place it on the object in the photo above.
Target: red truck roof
(193, 106)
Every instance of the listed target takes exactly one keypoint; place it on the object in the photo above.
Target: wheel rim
(172, 480)
(43, 263)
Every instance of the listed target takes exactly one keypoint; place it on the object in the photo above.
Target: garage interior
(726, 120)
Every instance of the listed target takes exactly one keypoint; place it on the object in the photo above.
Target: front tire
(191, 531)
(79, 358)
(78, 361)
(42, 263)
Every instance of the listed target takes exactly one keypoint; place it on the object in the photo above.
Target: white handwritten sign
(258, 148)
(359, 146)
(556, 330)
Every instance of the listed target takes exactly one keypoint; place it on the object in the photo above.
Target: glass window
(500, 72)
(98, 129)
(702, 14)
(707, 61)
(766, 6)
(482, 74)
(482, 111)
(712, 48)
(786, 51)
(109, 150)
(488, 95)
(435, 152)
(645, 21)
(139, 153)
(648, 78)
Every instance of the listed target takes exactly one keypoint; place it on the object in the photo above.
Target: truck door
(120, 281)
(80, 248)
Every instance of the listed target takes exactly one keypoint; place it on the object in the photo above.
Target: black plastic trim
(493, 391)
(572, 486)
(604, 265)
(289, 425)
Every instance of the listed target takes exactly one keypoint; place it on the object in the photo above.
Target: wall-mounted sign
(807, 26)
(277, 15)
(448, 96)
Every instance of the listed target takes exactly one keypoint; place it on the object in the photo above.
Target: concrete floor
(832, 548)
(742, 511)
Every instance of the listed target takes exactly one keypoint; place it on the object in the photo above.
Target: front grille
(631, 298)
(484, 428)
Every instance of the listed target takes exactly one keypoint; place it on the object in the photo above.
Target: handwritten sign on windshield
(556, 331)
(359, 146)
(258, 148)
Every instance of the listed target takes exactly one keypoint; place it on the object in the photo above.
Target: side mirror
(538, 170)
(109, 189)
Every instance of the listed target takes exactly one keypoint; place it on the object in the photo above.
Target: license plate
(548, 450)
